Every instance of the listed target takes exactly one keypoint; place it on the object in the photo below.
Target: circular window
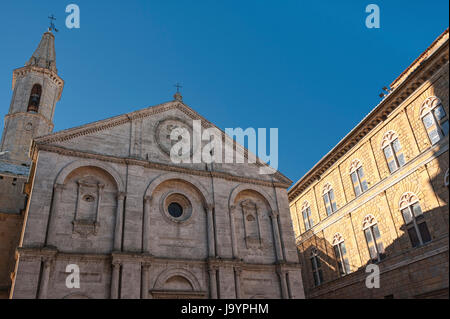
(89, 198)
(175, 210)
(176, 207)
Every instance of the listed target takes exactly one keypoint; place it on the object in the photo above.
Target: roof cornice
(52, 75)
(418, 76)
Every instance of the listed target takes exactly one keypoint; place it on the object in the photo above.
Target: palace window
(307, 218)
(434, 119)
(358, 178)
(393, 152)
(373, 239)
(415, 223)
(316, 266)
(35, 98)
(340, 253)
(329, 199)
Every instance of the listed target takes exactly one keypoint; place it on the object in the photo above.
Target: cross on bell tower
(52, 25)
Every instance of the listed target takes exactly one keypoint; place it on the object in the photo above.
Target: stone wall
(407, 271)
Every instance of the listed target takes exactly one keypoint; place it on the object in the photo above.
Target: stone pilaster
(146, 225)
(211, 229)
(118, 232)
(115, 276)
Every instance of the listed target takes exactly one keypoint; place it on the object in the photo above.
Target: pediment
(145, 135)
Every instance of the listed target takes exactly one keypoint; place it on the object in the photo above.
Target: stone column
(237, 281)
(119, 222)
(146, 225)
(51, 228)
(213, 282)
(233, 232)
(211, 240)
(115, 280)
(45, 278)
(284, 288)
(145, 279)
(276, 233)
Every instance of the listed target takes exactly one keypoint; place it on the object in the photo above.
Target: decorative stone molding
(122, 119)
(369, 221)
(388, 138)
(154, 165)
(51, 75)
(85, 228)
(256, 188)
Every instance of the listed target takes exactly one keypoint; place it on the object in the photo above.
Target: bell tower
(36, 90)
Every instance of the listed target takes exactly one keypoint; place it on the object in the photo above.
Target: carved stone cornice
(51, 75)
(33, 253)
(144, 163)
(28, 114)
(125, 118)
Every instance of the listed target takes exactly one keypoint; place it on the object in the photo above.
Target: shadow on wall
(414, 265)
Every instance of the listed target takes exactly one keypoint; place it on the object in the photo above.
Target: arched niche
(252, 212)
(84, 208)
(163, 229)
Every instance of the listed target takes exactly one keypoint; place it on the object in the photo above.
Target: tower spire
(37, 88)
(45, 56)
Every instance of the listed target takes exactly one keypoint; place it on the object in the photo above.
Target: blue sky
(310, 68)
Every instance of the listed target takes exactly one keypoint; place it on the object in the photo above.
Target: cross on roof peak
(178, 86)
(177, 95)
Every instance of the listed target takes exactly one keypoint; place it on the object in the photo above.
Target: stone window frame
(429, 106)
(306, 212)
(356, 169)
(331, 207)
(182, 199)
(316, 266)
(370, 227)
(397, 156)
(252, 223)
(340, 252)
(414, 220)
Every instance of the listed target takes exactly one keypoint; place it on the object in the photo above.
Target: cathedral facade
(106, 199)
(380, 197)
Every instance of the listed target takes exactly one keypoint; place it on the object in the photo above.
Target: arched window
(307, 218)
(392, 150)
(415, 223)
(435, 119)
(358, 179)
(340, 253)
(316, 266)
(373, 239)
(35, 98)
(329, 199)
